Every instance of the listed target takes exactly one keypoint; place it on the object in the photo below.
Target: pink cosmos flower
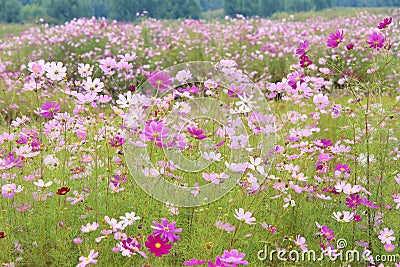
(335, 39)
(108, 65)
(160, 81)
(376, 40)
(244, 216)
(77, 198)
(389, 248)
(386, 236)
(166, 231)
(301, 242)
(156, 130)
(321, 101)
(233, 258)
(8, 190)
(37, 68)
(49, 109)
(90, 259)
(89, 227)
(225, 226)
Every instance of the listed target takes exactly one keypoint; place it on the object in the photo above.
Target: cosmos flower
(166, 231)
(233, 258)
(335, 39)
(386, 236)
(160, 81)
(157, 246)
(89, 227)
(376, 40)
(90, 259)
(55, 71)
(244, 216)
(385, 23)
(49, 109)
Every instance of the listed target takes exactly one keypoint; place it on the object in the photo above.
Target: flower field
(236, 142)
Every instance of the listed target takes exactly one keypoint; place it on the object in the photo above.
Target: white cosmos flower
(345, 216)
(40, 183)
(126, 220)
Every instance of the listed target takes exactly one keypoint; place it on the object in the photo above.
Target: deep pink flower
(303, 48)
(335, 39)
(342, 168)
(166, 231)
(196, 133)
(353, 201)
(48, 110)
(386, 22)
(194, 262)
(157, 246)
(376, 40)
(160, 81)
(328, 233)
(218, 263)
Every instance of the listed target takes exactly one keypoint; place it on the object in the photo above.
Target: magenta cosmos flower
(157, 246)
(342, 168)
(160, 81)
(376, 40)
(194, 262)
(353, 201)
(48, 110)
(233, 258)
(155, 130)
(196, 133)
(386, 22)
(166, 231)
(335, 39)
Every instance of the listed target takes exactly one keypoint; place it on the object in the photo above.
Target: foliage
(10, 11)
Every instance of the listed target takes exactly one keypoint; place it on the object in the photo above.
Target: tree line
(58, 11)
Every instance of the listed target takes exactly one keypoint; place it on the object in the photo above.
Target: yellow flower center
(158, 245)
(166, 229)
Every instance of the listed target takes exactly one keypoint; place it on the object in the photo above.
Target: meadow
(227, 142)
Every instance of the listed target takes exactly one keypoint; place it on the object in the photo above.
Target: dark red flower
(62, 191)
(2, 235)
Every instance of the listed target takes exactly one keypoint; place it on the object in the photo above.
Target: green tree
(32, 12)
(322, 4)
(186, 9)
(10, 11)
(66, 10)
(123, 10)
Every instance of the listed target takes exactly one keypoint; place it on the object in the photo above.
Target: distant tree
(186, 9)
(208, 5)
(66, 10)
(10, 11)
(123, 10)
(269, 7)
(98, 8)
(322, 4)
(32, 12)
